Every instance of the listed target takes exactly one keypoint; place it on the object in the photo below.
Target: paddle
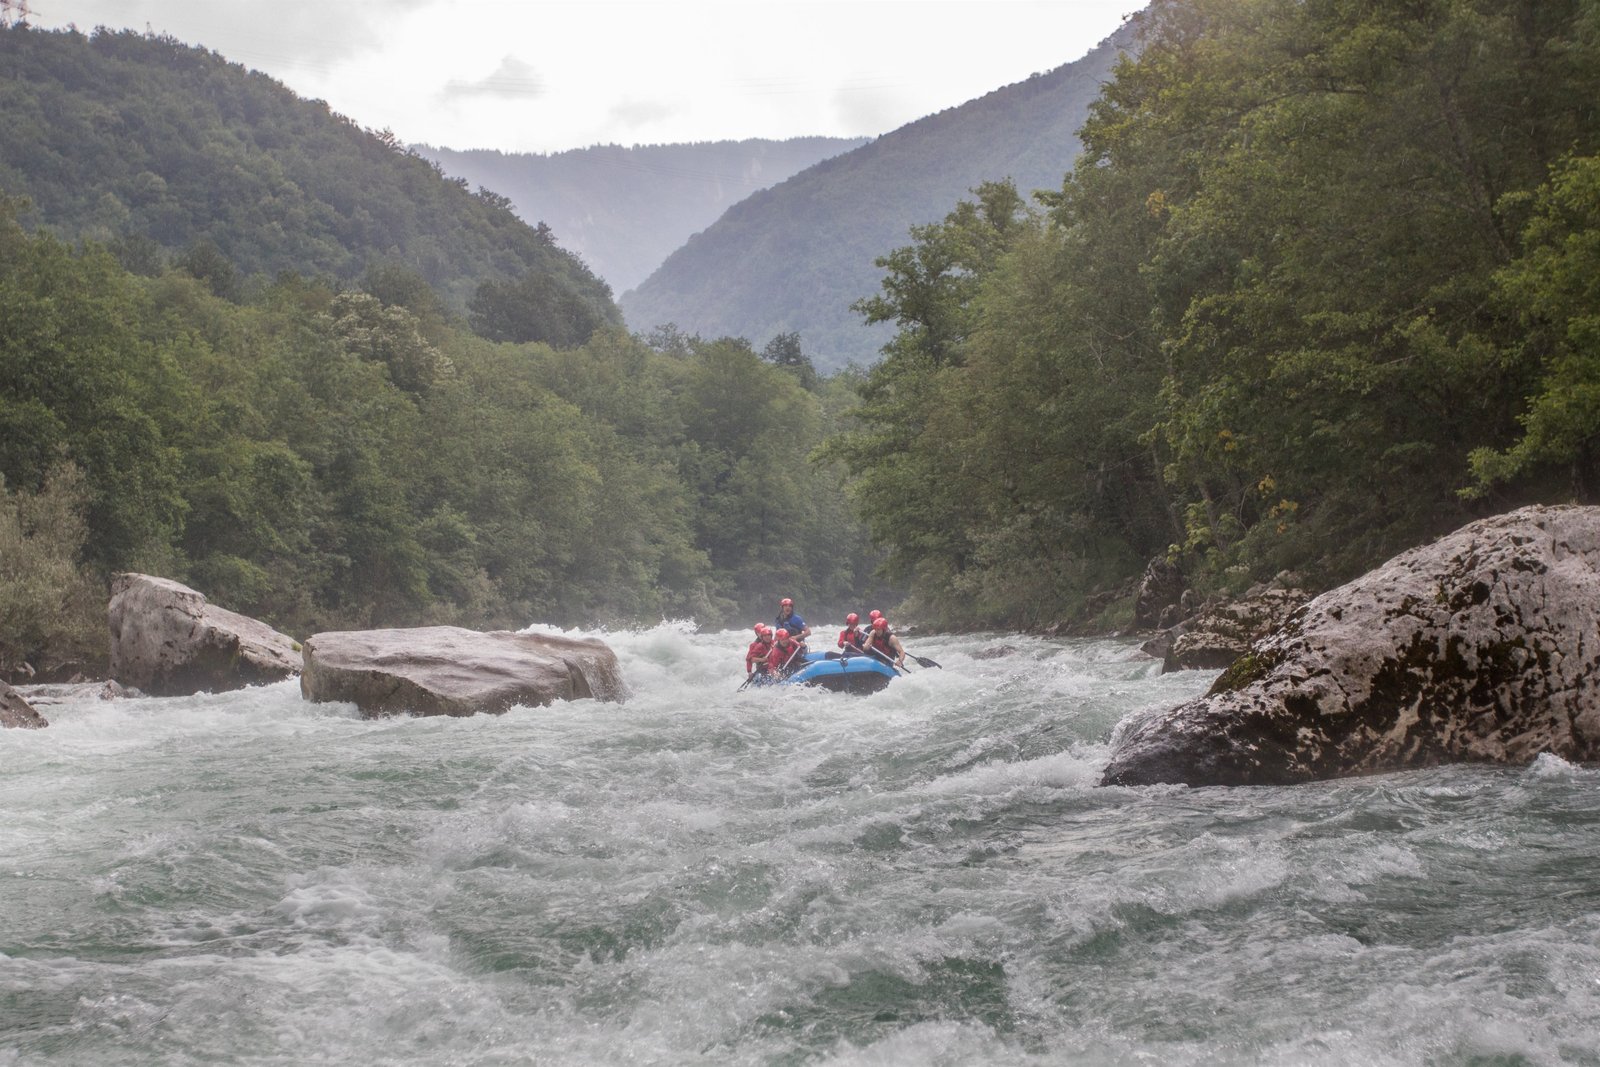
(751, 676)
(851, 649)
(759, 674)
(925, 661)
(790, 660)
(885, 659)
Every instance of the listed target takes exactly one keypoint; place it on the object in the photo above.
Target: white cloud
(512, 79)
(637, 114)
(545, 75)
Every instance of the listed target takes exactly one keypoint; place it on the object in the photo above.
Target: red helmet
(852, 618)
(874, 614)
(786, 603)
(880, 623)
(761, 628)
(783, 635)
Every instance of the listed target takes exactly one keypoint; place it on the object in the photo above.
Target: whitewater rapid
(928, 875)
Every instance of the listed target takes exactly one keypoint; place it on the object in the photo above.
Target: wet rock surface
(447, 670)
(17, 713)
(1221, 633)
(1479, 647)
(168, 640)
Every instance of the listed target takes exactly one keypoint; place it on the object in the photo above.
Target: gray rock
(168, 641)
(1160, 588)
(17, 713)
(446, 670)
(1477, 648)
(1220, 634)
(45, 694)
(1160, 645)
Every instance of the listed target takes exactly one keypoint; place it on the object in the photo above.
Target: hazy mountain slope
(794, 257)
(624, 210)
(155, 147)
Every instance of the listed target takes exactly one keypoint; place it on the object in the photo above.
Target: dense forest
(795, 257)
(160, 151)
(1324, 284)
(316, 379)
(625, 209)
(328, 457)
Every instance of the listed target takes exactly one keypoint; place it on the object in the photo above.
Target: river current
(928, 875)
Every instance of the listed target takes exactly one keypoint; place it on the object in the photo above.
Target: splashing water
(928, 875)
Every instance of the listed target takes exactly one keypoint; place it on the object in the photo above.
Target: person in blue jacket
(789, 619)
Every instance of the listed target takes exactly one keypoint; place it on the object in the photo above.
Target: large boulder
(168, 641)
(1480, 647)
(16, 712)
(446, 670)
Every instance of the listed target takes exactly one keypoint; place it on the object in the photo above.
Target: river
(928, 875)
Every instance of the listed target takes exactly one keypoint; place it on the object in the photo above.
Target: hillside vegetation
(330, 458)
(160, 151)
(795, 257)
(249, 346)
(624, 210)
(1325, 283)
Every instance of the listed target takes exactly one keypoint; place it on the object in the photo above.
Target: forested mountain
(247, 345)
(624, 210)
(1325, 283)
(160, 150)
(795, 257)
(327, 458)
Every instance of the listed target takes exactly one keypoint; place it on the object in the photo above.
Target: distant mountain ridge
(624, 210)
(793, 258)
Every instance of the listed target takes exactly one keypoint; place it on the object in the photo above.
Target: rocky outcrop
(168, 641)
(1220, 633)
(1479, 647)
(16, 712)
(1160, 591)
(446, 670)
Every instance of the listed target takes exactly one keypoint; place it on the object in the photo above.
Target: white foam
(314, 901)
(1547, 765)
(699, 875)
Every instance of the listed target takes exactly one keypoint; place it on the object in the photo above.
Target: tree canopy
(324, 457)
(1321, 285)
(163, 152)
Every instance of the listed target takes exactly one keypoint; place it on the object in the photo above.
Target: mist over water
(928, 875)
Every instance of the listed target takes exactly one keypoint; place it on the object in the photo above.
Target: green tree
(52, 611)
(536, 307)
(1553, 289)
(909, 459)
(205, 261)
(390, 336)
(784, 350)
(79, 382)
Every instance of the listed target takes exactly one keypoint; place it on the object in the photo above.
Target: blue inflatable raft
(857, 674)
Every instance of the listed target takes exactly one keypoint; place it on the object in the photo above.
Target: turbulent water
(927, 875)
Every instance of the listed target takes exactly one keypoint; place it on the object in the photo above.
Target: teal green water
(924, 876)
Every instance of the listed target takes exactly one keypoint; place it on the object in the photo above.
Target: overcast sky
(543, 77)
